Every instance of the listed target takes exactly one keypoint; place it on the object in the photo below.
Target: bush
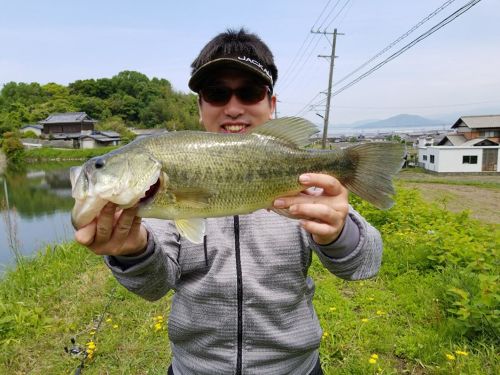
(13, 148)
(29, 134)
(464, 251)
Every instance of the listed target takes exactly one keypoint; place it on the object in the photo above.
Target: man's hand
(114, 232)
(323, 210)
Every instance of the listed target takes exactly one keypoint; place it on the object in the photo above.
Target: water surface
(35, 210)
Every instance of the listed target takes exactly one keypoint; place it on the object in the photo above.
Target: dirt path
(483, 203)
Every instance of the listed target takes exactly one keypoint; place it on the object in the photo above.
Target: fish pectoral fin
(194, 198)
(192, 229)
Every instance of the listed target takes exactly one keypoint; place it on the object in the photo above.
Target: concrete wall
(450, 158)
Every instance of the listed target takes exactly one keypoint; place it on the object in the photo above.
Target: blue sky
(455, 70)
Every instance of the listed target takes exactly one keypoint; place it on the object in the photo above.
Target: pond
(34, 211)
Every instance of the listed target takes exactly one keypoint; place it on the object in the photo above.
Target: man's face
(235, 116)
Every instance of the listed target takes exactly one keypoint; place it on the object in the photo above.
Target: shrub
(418, 235)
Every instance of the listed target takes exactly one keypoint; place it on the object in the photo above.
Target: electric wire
(301, 50)
(399, 39)
(421, 37)
(338, 14)
(429, 32)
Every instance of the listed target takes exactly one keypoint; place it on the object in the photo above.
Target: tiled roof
(68, 117)
(455, 140)
(475, 141)
(476, 122)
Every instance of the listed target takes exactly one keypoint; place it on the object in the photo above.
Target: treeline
(128, 99)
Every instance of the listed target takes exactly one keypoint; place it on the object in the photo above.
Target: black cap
(234, 49)
(238, 62)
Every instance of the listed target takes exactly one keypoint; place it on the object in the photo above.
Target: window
(432, 159)
(490, 133)
(425, 157)
(469, 159)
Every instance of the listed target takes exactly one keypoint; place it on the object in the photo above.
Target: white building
(460, 159)
(473, 148)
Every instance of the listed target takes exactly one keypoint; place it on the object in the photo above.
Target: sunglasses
(247, 94)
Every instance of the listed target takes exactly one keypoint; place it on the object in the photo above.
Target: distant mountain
(402, 121)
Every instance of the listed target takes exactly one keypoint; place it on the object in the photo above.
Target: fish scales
(216, 164)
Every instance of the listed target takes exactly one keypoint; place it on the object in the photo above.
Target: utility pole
(330, 76)
(276, 107)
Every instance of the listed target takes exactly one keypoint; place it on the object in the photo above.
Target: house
(67, 123)
(76, 130)
(473, 147)
(99, 139)
(472, 127)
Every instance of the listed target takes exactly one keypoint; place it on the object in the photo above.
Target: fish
(188, 176)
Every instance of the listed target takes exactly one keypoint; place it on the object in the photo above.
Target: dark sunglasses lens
(217, 95)
(251, 94)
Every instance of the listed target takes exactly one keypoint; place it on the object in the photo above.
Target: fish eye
(99, 163)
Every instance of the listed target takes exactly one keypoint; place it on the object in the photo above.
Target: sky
(453, 72)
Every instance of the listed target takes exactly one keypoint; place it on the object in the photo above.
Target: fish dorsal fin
(294, 130)
(193, 229)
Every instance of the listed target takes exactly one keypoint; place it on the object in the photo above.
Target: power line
(302, 51)
(304, 54)
(338, 14)
(429, 32)
(322, 12)
(392, 44)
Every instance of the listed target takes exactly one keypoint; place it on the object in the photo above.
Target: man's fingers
(104, 228)
(315, 212)
(330, 185)
(86, 235)
(124, 225)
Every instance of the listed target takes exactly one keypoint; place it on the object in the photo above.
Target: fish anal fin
(193, 229)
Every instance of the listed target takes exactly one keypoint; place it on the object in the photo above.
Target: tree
(116, 124)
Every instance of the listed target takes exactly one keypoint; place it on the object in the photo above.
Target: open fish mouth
(150, 193)
(90, 198)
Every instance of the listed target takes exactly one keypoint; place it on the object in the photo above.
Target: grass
(418, 175)
(399, 322)
(51, 154)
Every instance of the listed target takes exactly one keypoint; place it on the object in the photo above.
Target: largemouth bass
(189, 175)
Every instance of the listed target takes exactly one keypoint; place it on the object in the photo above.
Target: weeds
(433, 308)
(9, 216)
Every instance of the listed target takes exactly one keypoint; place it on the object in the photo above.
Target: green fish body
(187, 176)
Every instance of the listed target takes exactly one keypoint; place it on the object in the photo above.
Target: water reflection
(35, 209)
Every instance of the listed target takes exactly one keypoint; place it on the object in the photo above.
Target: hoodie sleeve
(152, 274)
(356, 254)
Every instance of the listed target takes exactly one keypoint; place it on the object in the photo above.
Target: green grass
(418, 175)
(408, 315)
(47, 153)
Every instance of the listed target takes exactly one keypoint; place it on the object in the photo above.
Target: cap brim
(204, 72)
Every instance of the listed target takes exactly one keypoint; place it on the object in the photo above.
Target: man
(243, 301)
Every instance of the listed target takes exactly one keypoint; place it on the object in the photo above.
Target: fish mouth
(151, 192)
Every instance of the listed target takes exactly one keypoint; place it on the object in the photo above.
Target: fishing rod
(76, 350)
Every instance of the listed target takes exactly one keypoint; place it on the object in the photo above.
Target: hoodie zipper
(239, 287)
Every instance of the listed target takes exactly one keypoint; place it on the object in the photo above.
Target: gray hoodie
(243, 300)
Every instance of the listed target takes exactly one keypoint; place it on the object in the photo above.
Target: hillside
(402, 121)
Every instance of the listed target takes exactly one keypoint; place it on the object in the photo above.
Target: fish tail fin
(374, 165)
